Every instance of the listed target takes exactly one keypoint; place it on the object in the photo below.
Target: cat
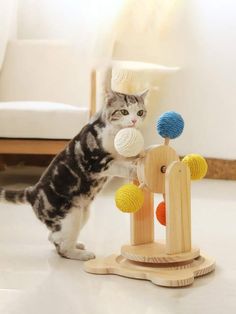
(63, 194)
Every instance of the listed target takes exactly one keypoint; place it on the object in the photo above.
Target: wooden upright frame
(173, 262)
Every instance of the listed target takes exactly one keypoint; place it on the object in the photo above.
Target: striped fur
(62, 196)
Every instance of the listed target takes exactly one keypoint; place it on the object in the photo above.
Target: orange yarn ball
(161, 213)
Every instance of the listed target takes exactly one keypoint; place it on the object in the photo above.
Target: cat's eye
(124, 112)
(140, 113)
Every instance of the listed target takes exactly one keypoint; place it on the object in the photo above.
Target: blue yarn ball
(170, 124)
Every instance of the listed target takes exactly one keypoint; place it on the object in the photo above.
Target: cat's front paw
(133, 171)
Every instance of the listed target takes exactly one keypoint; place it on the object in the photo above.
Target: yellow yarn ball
(197, 164)
(129, 198)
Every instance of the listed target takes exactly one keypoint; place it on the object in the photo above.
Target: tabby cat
(62, 196)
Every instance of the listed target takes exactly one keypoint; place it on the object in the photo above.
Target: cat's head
(122, 110)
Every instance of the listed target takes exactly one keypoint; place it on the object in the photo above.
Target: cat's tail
(14, 196)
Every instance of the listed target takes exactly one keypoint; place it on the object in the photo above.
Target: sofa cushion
(41, 120)
(45, 70)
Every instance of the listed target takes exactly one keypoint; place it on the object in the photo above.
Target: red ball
(161, 213)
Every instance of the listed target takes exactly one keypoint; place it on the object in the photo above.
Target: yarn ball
(197, 164)
(161, 213)
(129, 142)
(129, 198)
(170, 125)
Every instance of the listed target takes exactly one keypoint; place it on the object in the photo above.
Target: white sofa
(47, 93)
(44, 96)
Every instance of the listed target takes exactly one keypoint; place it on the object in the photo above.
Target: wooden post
(178, 209)
(142, 222)
(93, 92)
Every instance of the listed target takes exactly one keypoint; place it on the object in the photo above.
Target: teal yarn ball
(170, 124)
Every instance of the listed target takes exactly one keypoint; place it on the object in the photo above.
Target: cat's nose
(133, 121)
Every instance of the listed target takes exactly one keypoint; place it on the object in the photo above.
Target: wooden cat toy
(173, 262)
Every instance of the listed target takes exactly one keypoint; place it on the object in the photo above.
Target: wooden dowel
(167, 141)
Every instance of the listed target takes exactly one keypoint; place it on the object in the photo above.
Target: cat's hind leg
(85, 217)
(65, 240)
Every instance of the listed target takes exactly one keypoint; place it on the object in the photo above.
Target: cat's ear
(111, 96)
(143, 94)
(117, 94)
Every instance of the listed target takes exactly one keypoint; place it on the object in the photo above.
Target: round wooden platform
(168, 275)
(155, 253)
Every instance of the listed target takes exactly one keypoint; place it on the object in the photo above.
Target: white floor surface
(35, 280)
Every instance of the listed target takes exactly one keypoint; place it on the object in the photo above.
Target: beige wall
(8, 24)
(197, 35)
(200, 37)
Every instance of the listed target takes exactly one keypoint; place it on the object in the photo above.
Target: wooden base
(167, 275)
(156, 253)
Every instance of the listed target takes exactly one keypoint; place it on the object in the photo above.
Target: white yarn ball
(129, 142)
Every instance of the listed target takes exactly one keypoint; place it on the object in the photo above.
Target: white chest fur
(108, 136)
